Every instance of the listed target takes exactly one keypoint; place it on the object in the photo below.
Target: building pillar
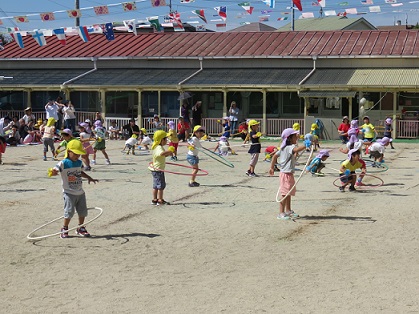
(350, 108)
(225, 103)
(394, 132)
(139, 110)
(159, 103)
(102, 93)
(306, 105)
(264, 120)
(28, 98)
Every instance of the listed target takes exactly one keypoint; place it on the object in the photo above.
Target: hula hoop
(216, 157)
(29, 236)
(204, 172)
(364, 185)
(299, 178)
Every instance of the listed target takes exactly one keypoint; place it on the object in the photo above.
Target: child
(343, 130)
(308, 141)
(48, 137)
(226, 127)
(114, 131)
(368, 130)
(316, 164)
(192, 156)
(99, 144)
(388, 129)
(174, 141)
(287, 153)
(3, 146)
(255, 147)
(144, 139)
(74, 197)
(269, 152)
(14, 136)
(347, 170)
(130, 143)
(183, 129)
(244, 130)
(377, 149)
(353, 141)
(67, 136)
(157, 125)
(316, 133)
(222, 146)
(159, 163)
(85, 138)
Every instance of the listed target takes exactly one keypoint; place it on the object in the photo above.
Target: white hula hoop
(58, 233)
(296, 182)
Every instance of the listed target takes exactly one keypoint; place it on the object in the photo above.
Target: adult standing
(69, 116)
(59, 121)
(184, 111)
(28, 115)
(197, 113)
(234, 116)
(51, 109)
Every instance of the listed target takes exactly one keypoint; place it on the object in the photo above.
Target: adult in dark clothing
(129, 129)
(184, 111)
(197, 113)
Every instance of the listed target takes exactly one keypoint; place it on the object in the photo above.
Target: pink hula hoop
(203, 172)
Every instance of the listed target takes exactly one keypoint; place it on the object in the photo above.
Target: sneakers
(163, 202)
(88, 168)
(252, 174)
(108, 162)
(45, 158)
(173, 158)
(194, 184)
(93, 162)
(359, 184)
(154, 202)
(342, 189)
(292, 214)
(283, 217)
(352, 188)
(63, 234)
(82, 232)
(319, 174)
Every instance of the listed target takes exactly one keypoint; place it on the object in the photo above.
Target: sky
(236, 16)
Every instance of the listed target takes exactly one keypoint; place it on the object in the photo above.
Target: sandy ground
(217, 248)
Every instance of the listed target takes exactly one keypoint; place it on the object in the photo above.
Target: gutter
(81, 75)
(311, 72)
(193, 74)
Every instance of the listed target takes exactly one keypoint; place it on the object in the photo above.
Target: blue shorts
(193, 160)
(159, 180)
(74, 202)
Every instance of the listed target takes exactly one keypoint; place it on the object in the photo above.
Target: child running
(255, 147)
(316, 165)
(388, 129)
(192, 156)
(159, 163)
(48, 137)
(287, 155)
(99, 144)
(347, 170)
(74, 196)
(174, 141)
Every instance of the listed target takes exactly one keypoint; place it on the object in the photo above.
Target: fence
(407, 129)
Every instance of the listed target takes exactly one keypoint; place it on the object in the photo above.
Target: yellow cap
(158, 137)
(253, 122)
(143, 130)
(50, 122)
(134, 136)
(314, 126)
(198, 128)
(296, 126)
(76, 147)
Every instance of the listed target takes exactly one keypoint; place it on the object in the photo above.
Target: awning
(327, 94)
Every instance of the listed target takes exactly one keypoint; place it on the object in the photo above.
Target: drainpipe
(306, 98)
(311, 72)
(193, 74)
(94, 59)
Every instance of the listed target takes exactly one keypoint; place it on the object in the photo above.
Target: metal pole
(77, 18)
(293, 16)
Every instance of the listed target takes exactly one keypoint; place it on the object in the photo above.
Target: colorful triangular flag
(108, 31)
(270, 3)
(297, 3)
(59, 32)
(83, 33)
(129, 6)
(18, 39)
(282, 18)
(47, 16)
(39, 38)
(246, 6)
(200, 14)
(101, 10)
(154, 21)
(222, 12)
(174, 17)
(131, 27)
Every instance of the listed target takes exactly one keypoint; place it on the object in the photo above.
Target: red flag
(297, 3)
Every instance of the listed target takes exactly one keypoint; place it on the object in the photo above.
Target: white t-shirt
(286, 159)
(196, 142)
(52, 111)
(234, 113)
(131, 141)
(377, 147)
(69, 112)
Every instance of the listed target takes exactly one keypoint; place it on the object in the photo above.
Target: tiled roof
(329, 23)
(224, 45)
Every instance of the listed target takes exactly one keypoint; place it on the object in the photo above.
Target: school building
(276, 77)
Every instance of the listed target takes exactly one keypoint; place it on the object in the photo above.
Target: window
(333, 103)
(13, 100)
(122, 104)
(40, 98)
(85, 101)
(291, 103)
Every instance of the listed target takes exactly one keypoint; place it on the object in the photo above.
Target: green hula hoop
(215, 156)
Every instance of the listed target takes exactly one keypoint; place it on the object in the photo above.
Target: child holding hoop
(192, 156)
(159, 163)
(347, 170)
(74, 196)
(99, 144)
(287, 156)
(255, 147)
